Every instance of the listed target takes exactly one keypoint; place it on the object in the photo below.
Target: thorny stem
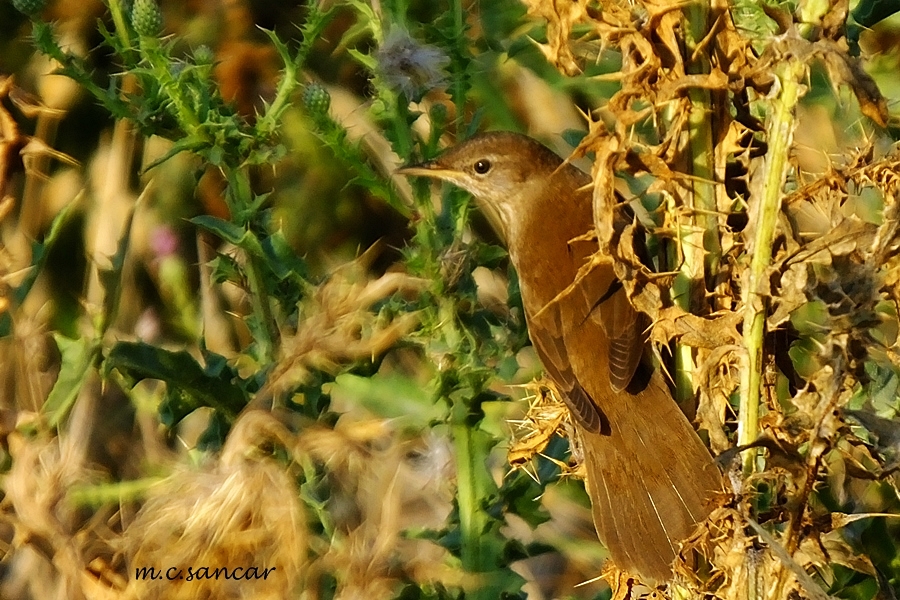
(241, 197)
(470, 517)
(261, 310)
(118, 17)
(473, 479)
(459, 86)
(183, 111)
(286, 87)
(479, 551)
(316, 22)
(699, 240)
(764, 212)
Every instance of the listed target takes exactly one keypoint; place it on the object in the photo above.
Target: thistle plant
(176, 98)
(782, 326)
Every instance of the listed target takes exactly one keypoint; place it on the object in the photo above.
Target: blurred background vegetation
(231, 336)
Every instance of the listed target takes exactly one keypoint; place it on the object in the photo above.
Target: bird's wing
(624, 330)
(547, 337)
(604, 301)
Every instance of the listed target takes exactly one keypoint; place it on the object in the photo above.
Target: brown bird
(649, 476)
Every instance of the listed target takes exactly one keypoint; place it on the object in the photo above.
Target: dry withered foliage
(380, 486)
(694, 118)
(337, 326)
(547, 414)
(690, 118)
(242, 511)
(19, 153)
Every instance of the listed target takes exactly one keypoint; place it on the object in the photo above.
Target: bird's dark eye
(482, 166)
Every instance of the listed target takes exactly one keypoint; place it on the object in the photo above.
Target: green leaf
(39, 253)
(224, 268)
(365, 60)
(213, 438)
(489, 255)
(189, 386)
(229, 232)
(392, 397)
(73, 67)
(226, 230)
(186, 144)
(869, 12)
(77, 358)
(282, 49)
(281, 258)
(111, 279)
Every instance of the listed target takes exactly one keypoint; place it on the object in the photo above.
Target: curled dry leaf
(337, 325)
(674, 324)
(561, 16)
(547, 416)
(828, 254)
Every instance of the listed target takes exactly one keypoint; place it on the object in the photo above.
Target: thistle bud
(146, 18)
(203, 55)
(316, 99)
(29, 7)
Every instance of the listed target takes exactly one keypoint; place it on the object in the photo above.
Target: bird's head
(504, 171)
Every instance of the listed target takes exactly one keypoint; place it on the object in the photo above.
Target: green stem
(239, 198)
(262, 311)
(471, 519)
(458, 79)
(479, 549)
(763, 218)
(699, 240)
(183, 110)
(268, 122)
(111, 493)
(118, 16)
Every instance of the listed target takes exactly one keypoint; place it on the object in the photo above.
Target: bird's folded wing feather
(625, 336)
(547, 336)
(604, 302)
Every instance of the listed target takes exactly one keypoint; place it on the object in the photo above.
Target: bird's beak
(425, 169)
(431, 169)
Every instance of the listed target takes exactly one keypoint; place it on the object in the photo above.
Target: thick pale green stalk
(470, 474)
(118, 15)
(764, 209)
(699, 240)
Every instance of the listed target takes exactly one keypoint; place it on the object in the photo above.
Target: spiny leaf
(189, 386)
(77, 357)
(228, 231)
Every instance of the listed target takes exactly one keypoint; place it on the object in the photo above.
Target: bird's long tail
(651, 480)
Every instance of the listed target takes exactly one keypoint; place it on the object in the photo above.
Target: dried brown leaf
(243, 511)
(845, 69)
(674, 324)
(561, 16)
(338, 327)
(547, 416)
(830, 548)
(716, 378)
